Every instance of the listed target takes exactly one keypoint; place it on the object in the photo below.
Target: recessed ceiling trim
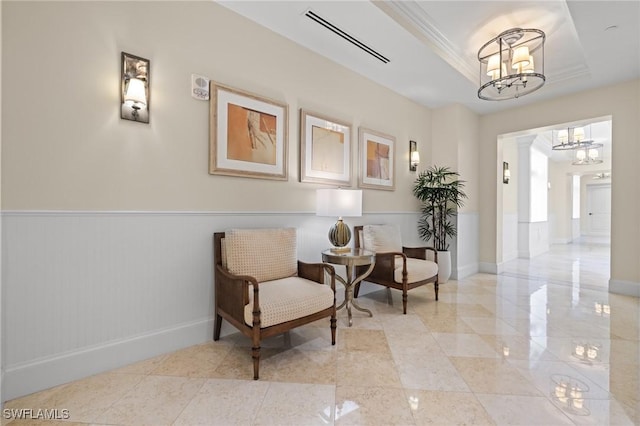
(414, 19)
(346, 36)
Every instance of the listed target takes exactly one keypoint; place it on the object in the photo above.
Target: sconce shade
(415, 158)
(340, 203)
(506, 174)
(136, 95)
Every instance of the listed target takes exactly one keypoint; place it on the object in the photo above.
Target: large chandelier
(512, 64)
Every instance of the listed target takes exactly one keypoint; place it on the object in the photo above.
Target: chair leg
(255, 354)
(255, 349)
(435, 286)
(404, 302)
(356, 290)
(333, 328)
(217, 327)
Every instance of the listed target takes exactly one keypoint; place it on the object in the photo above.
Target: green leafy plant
(441, 193)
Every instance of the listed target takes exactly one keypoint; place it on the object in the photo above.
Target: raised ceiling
(432, 45)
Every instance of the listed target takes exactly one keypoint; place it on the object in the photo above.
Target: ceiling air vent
(328, 25)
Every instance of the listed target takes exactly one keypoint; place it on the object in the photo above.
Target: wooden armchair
(398, 267)
(263, 290)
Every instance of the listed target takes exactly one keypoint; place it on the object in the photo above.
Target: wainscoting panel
(467, 245)
(85, 292)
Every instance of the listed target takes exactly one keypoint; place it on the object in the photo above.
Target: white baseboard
(44, 373)
(465, 271)
(627, 288)
(490, 268)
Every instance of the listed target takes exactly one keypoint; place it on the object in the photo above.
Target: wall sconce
(134, 92)
(414, 156)
(506, 174)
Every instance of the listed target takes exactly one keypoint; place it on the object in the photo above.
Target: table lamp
(340, 203)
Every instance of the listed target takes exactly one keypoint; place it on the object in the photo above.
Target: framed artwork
(248, 134)
(325, 149)
(376, 159)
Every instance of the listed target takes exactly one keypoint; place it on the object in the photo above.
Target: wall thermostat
(200, 87)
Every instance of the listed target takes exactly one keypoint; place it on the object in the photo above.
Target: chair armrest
(316, 272)
(420, 252)
(386, 264)
(232, 292)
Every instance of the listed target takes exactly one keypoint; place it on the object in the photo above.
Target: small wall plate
(200, 87)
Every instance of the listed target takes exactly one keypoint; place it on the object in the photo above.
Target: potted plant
(441, 193)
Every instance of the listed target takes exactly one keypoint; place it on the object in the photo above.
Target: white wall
(510, 202)
(107, 223)
(622, 102)
(1, 287)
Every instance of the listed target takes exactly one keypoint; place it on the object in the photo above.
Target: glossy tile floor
(522, 348)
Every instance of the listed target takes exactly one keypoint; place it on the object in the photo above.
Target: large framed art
(248, 134)
(325, 149)
(377, 160)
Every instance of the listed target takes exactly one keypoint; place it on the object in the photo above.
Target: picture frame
(248, 134)
(376, 157)
(325, 149)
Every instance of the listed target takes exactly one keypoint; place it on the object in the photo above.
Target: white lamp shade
(339, 202)
(580, 155)
(136, 93)
(520, 57)
(593, 153)
(563, 136)
(530, 68)
(578, 134)
(493, 65)
(415, 157)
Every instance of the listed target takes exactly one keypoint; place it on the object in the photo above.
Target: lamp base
(339, 250)
(339, 234)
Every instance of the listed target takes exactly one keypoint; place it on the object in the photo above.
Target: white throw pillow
(382, 238)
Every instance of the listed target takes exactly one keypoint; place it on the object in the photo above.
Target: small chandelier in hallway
(571, 138)
(589, 154)
(514, 64)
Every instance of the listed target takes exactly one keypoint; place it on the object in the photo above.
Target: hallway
(584, 263)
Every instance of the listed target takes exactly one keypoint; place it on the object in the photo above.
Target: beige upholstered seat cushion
(265, 254)
(287, 299)
(417, 270)
(382, 238)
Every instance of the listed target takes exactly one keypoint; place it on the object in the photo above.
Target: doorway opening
(556, 210)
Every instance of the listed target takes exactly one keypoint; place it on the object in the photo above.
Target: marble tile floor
(494, 350)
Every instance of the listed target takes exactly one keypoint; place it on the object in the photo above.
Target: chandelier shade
(512, 64)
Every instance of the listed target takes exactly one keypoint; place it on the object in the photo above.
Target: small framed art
(248, 134)
(376, 159)
(325, 149)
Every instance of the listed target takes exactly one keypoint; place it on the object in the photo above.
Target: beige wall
(621, 101)
(455, 145)
(66, 147)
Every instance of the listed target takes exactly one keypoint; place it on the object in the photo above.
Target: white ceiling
(433, 45)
